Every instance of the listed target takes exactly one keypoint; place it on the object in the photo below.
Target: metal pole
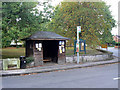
(78, 44)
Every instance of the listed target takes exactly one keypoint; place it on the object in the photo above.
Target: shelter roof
(45, 35)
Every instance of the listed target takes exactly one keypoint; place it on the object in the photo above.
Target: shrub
(117, 44)
(17, 46)
(29, 59)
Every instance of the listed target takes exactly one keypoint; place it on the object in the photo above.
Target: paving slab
(55, 67)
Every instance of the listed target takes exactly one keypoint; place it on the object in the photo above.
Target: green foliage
(29, 59)
(117, 43)
(94, 18)
(21, 19)
(106, 37)
(17, 46)
(113, 42)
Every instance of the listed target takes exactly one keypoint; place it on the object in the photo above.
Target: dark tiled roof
(45, 35)
(118, 36)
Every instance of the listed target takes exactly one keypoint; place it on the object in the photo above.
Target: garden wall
(105, 55)
(0, 64)
(91, 58)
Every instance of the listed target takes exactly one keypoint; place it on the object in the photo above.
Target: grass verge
(12, 52)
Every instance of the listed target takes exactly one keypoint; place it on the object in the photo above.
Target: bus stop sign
(79, 29)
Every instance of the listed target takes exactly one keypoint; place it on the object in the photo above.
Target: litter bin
(22, 62)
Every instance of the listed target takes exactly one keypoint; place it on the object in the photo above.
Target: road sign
(79, 29)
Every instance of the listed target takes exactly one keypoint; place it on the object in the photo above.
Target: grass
(89, 51)
(12, 52)
(110, 46)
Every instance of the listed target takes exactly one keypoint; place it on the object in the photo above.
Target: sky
(113, 9)
(114, 12)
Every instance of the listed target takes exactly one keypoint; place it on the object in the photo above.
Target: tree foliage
(94, 18)
(21, 19)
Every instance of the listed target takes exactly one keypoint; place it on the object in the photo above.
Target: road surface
(104, 76)
(116, 51)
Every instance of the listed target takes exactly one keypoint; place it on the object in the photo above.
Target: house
(46, 46)
(116, 38)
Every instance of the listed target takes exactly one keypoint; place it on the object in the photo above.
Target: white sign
(79, 29)
(36, 45)
(82, 44)
(39, 49)
(63, 50)
(60, 42)
(59, 47)
(40, 45)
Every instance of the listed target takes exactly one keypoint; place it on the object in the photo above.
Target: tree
(94, 18)
(21, 19)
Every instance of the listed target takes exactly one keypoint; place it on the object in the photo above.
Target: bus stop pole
(78, 31)
(78, 47)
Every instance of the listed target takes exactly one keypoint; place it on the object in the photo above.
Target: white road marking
(116, 78)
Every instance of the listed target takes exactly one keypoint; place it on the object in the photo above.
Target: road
(104, 76)
(116, 51)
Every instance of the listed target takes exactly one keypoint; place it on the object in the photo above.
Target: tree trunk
(16, 42)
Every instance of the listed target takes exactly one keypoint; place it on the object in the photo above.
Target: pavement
(56, 67)
(102, 76)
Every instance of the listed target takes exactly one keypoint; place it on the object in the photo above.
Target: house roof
(45, 35)
(117, 36)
